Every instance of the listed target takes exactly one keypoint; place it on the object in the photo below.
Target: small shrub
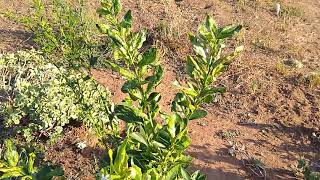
(151, 149)
(21, 165)
(42, 98)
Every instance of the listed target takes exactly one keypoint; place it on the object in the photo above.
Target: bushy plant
(62, 30)
(42, 98)
(158, 149)
(21, 165)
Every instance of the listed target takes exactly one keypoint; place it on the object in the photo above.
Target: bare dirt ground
(269, 111)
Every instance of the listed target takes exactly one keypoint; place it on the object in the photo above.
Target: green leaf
(136, 173)
(197, 114)
(197, 47)
(12, 174)
(138, 39)
(211, 24)
(228, 31)
(130, 85)
(139, 137)
(154, 96)
(116, 38)
(116, 6)
(120, 70)
(213, 90)
(231, 56)
(48, 172)
(173, 172)
(32, 158)
(198, 176)
(103, 11)
(120, 160)
(127, 114)
(155, 79)
(148, 57)
(11, 154)
(185, 175)
(127, 20)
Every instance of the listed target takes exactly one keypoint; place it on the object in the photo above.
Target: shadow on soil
(9, 39)
(296, 140)
(204, 154)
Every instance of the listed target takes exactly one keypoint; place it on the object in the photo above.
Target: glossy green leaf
(198, 176)
(121, 158)
(127, 114)
(154, 96)
(173, 173)
(127, 20)
(228, 31)
(32, 158)
(116, 6)
(138, 39)
(197, 47)
(48, 172)
(11, 154)
(148, 57)
(120, 70)
(198, 114)
(139, 137)
(211, 24)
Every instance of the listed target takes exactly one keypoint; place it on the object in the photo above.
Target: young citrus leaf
(127, 20)
(211, 24)
(116, 38)
(121, 158)
(198, 176)
(148, 57)
(231, 56)
(192, 64)
(120, 70)
(31, 160)
(154, 96)
(103, 11)
(197, 47)
(11, 154)
(127, 114)
(185, 175)
(158, 144)
(12, 174)
(138, 39)
(197, 114)
(135, 172)
(116, 6)
(188, 91)
(228, 31)
(139, 137)
(173, 173)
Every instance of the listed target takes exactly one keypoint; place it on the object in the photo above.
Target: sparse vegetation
(63, 32)
(313, 78)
